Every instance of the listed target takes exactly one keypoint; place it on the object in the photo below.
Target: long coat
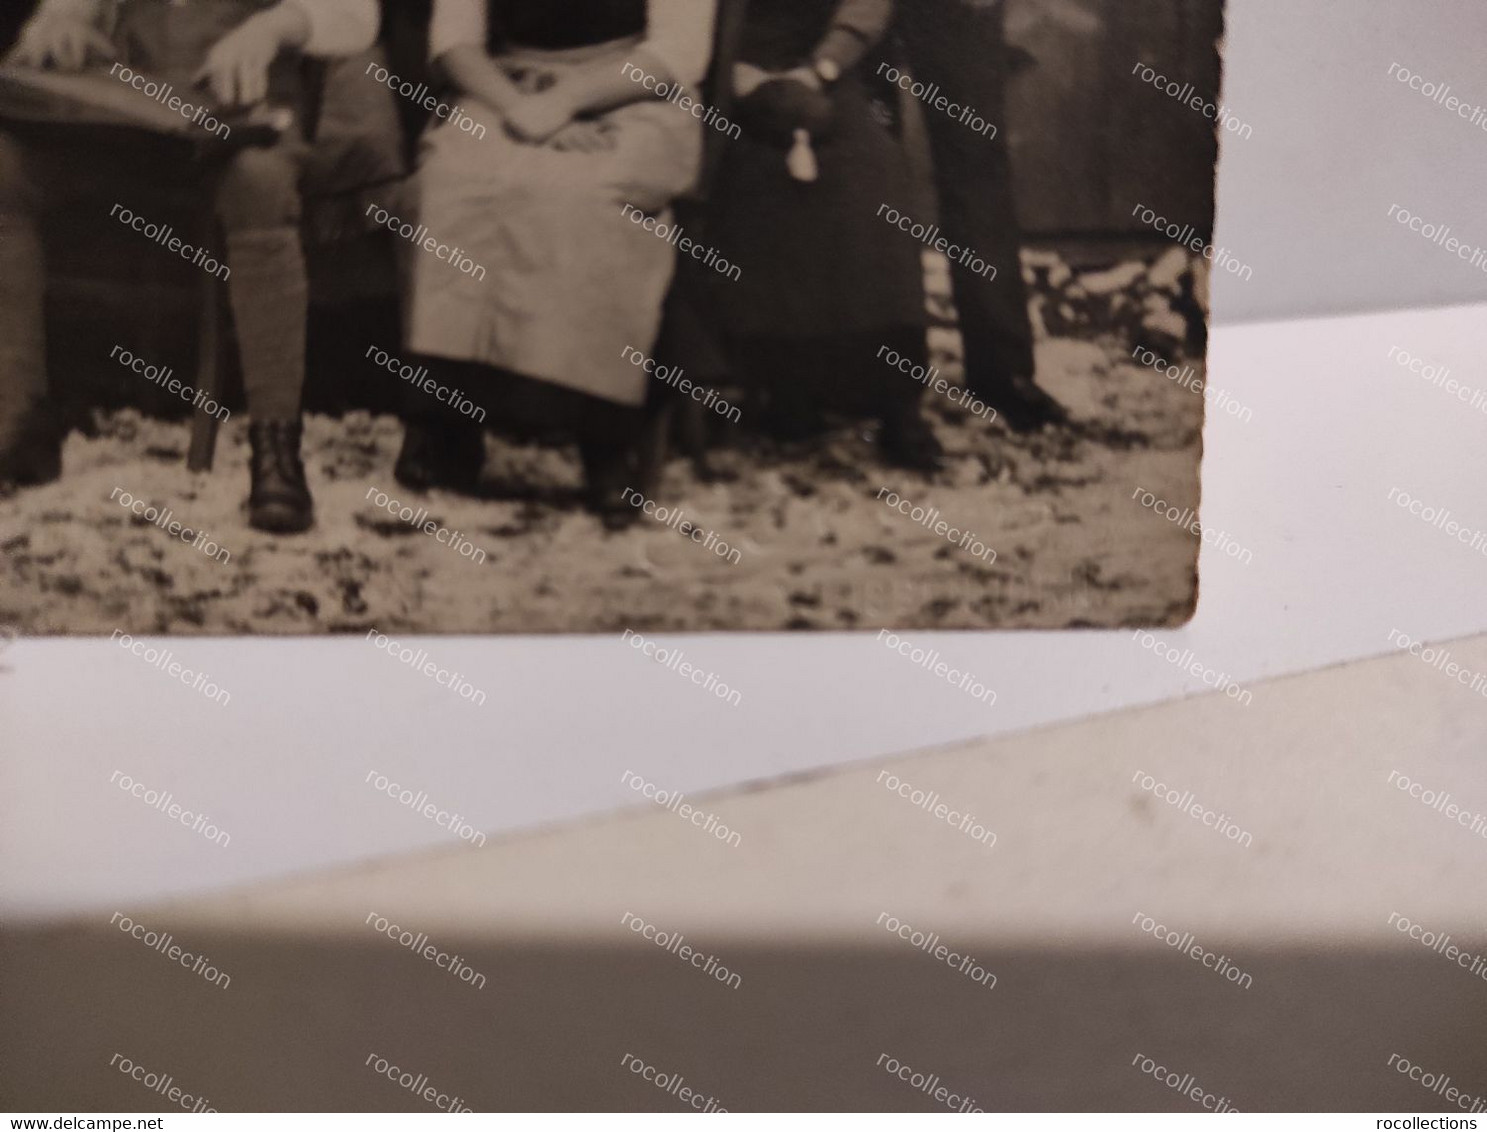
(816, 257)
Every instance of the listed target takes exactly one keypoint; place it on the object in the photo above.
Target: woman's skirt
(555, 279)
(818, 258)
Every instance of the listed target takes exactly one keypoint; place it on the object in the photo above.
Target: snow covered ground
(817, 549)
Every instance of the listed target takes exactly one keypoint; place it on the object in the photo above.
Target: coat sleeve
(857, 28)
(680, 32)
(339, 27)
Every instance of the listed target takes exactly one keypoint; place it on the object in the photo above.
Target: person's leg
(960, 46)
(30, 432)
(906, 439)
(442, 447)
(258, 203)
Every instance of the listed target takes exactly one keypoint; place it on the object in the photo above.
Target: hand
(748, 78)
(583, 137)
(806, 76)
(534, 118)
(237, 66)
(63, 41)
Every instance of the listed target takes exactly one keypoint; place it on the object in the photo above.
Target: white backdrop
(1336, 141)
(1304, 485)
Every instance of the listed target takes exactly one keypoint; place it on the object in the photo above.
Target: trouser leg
(23, 382)
(960, 46)
(258, 203)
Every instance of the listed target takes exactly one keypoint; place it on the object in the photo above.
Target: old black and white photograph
(544, 316)
(862, 558)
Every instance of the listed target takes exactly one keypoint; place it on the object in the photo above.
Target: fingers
(69, 49)
(252, 83)
(235, 79)
(206, 78)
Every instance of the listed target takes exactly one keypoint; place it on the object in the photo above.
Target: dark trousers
(959, 45)
(257, 204)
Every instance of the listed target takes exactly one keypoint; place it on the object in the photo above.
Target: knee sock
(270, 294)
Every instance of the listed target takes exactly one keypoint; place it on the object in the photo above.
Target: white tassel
(802, 159)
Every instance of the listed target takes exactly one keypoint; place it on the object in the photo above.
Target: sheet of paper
(1338, 426)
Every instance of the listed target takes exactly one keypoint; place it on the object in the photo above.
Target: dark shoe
(440, 456)
(31, 453)
(280, 499)
(907, 441)
(1022, 406)
(608, 479)
(792, 421)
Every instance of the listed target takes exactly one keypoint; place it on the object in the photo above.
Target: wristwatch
(827, 71)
